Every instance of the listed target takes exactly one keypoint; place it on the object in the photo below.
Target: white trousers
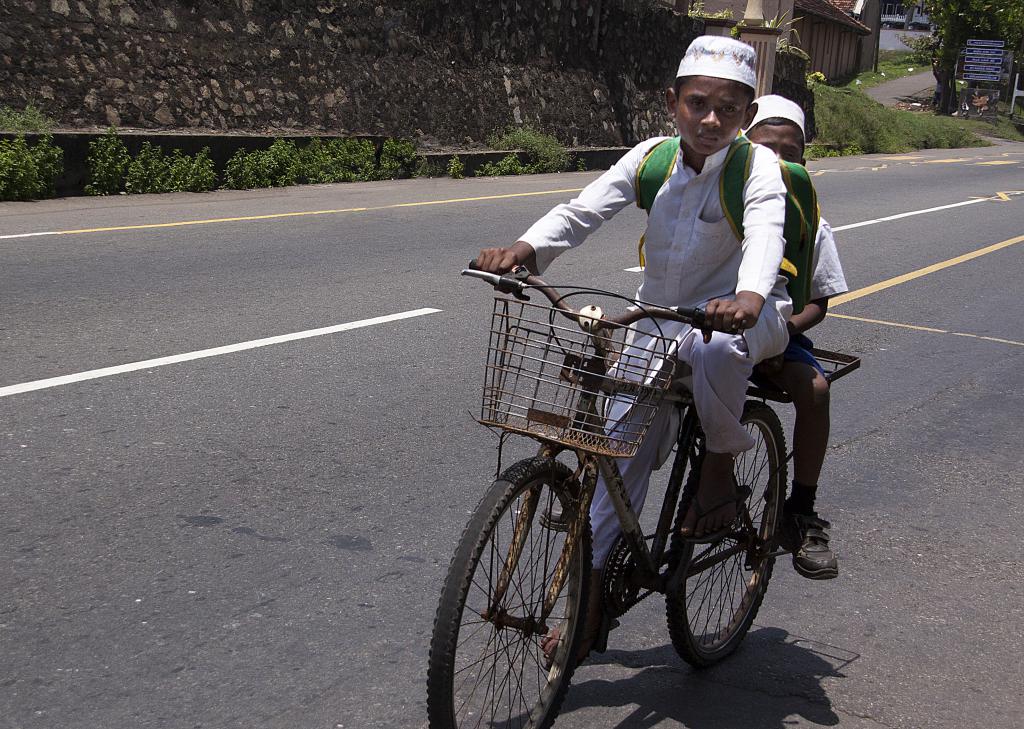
(721, 369)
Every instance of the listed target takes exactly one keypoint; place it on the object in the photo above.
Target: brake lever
(520, 274)
(510, 284)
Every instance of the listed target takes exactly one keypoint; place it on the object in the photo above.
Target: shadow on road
(771, 678)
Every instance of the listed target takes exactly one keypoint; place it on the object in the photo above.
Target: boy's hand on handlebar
(732, 315)
(503, 260)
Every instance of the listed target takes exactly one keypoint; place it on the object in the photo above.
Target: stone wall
(790, 81)
(443, 71)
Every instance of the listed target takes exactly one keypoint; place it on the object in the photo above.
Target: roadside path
(920, 85)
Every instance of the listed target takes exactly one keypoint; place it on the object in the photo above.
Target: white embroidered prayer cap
(773, 106)
(720, 57)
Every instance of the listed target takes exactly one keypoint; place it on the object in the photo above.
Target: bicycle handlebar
(516, 282)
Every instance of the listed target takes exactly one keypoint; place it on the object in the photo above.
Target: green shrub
(244, 171)
(188, 173)
(29, 172)
(338, 160)
(148, 171)
(508, 165)
(276, 166)
(49, 159)
(29, 121)
(281, 162)
(456, 170)
(397, 159)
(107, 162)
(284, 163)
(544, 153)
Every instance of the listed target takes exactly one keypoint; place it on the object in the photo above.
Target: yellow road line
(946, 161)
(337, 211)
(896, 280)
(889, 323)
(924, 329)
(998, 162)
(988, 339)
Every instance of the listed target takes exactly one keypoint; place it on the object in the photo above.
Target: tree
(957, 21)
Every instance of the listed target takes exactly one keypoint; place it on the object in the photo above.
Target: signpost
(982, 60)
(983, 63)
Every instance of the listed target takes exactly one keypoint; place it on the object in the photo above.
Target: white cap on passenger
(773, 106)
(720, 57)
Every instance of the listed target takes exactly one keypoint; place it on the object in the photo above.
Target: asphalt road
(257, 538)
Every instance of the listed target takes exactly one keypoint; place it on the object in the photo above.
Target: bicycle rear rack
(835, 364)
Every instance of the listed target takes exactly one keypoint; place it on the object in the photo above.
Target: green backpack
(802, 212)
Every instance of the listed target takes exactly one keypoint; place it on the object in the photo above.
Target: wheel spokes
(499, 678)
(720, 596)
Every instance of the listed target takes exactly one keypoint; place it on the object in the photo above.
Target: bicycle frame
(649, 559)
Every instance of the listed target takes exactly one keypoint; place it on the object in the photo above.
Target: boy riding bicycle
(692, 259)
(779, 125)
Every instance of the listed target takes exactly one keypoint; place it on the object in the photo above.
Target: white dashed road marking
(202, 353)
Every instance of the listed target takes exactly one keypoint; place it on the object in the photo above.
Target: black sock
(801, 501)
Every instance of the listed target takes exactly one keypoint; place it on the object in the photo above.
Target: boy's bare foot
(591, 628)
(714, 506)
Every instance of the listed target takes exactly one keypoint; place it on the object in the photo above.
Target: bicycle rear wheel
(486, 666)
(726, 581)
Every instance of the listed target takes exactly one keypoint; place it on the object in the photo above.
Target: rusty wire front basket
(548, 379)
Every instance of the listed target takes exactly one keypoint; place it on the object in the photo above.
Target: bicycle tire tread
(460, 575)
(675, 606)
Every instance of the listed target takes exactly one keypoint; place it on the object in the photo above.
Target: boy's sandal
(739, 498)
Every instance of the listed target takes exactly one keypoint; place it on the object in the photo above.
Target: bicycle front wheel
(487, 666)
(725, 581)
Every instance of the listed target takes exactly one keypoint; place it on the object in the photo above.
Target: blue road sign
(986, 43)
(984, 52)
(982, 76)
(982, 69)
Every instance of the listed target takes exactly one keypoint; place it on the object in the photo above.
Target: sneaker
(806, 536)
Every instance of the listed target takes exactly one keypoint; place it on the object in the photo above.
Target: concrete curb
(223, 146)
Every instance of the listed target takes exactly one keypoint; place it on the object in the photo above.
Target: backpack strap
(802, 218)
(652, 174)
(735, 173)
(802, 214)
(654, 171)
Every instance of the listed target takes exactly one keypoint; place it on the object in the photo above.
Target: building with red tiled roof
(836, 41)
(829, 11)
(840, 36)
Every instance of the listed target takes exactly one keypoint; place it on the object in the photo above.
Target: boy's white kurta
(828, 279)
(692, 256)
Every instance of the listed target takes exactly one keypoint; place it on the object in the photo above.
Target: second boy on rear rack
(779, 125)
(692, 259)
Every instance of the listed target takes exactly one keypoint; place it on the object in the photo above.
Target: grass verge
(849, 122)
(28, 121)
(891, 65)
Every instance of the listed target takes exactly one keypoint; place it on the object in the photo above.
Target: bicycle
(589, 385)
